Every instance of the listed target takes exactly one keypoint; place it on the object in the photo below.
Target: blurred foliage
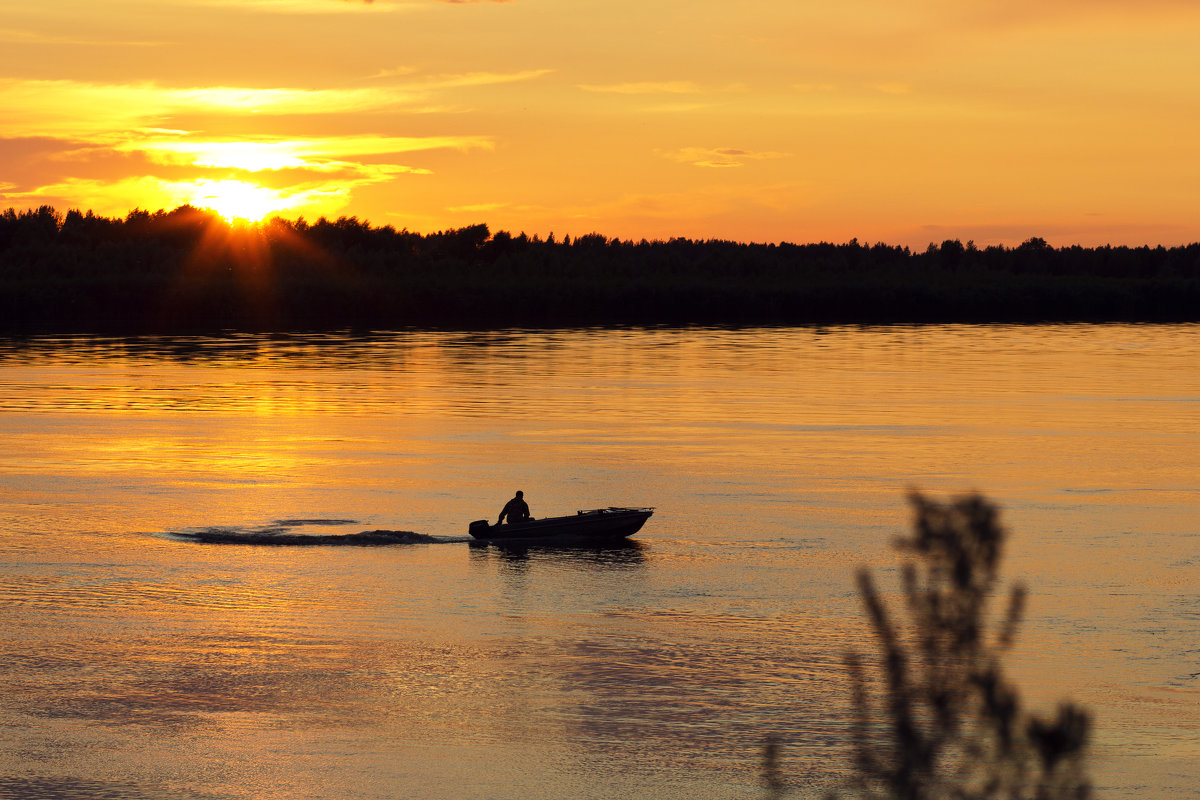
(936, 718)
(188, 269)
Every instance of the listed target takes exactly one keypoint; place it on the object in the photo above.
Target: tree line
(188, 269)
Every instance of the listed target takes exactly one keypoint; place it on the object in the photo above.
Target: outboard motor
(479, 528)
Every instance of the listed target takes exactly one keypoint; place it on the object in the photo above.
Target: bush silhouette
(947, 723)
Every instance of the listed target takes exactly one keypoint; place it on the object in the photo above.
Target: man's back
(516, 510)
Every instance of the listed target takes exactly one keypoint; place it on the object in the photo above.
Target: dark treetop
(188, 270)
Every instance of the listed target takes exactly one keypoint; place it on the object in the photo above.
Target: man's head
(520, 493)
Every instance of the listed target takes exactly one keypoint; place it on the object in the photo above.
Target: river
(138, 663)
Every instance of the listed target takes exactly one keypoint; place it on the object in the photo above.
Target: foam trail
(284, 533)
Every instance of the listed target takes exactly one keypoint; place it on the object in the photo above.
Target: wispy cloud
(308, 6)
(814, 87)
(80, 109)
(284, 100)
(66, 108)
(475, 208)
(330, 6)
(17, 36)
(644, 87)
(395, 72)
(328, 154)
(1015, 13)
(719, 157)
(455, 80)
(484, 78)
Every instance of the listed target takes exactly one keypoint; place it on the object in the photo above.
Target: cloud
(16, 36)
(719, 157)
(644, 87)
(394, 72)
(990, 14)
(78, 109)
(96, 131)
(83, 110)
(328, 6)
(676, 108)
(484, 78)
(327, 154)
(457, 80)
(306, 6)
(478, 207)
(814, 87)
(281, 101)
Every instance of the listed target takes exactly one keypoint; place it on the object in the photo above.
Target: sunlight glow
(250, 156)
(323, 154)
(238, 200)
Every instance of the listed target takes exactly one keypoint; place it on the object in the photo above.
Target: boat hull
(584, 526)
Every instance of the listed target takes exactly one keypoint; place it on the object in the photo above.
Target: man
(516, 510)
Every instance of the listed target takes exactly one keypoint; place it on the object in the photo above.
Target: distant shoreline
(188, 271)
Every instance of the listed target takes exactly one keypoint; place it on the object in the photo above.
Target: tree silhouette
(181, 270)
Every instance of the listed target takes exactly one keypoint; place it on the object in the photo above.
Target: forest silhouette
(188, 270)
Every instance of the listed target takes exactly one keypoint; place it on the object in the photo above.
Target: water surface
(138, 664)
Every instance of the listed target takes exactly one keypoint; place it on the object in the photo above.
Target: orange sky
(762, 120)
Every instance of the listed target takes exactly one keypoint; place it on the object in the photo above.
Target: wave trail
(362, 539)
(287, 532)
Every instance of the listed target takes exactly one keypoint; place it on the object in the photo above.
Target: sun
(237, 201)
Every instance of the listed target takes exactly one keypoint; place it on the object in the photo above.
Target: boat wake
(298, 533)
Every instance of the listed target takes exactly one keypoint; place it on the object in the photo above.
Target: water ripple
(289, 533)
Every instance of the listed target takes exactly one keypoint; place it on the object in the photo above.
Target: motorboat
(598, 524)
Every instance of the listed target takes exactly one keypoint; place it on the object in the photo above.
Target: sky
(759, 120)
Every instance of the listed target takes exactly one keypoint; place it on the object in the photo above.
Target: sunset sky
(757, 120)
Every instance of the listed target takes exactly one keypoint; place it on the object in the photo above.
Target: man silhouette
(516, 510)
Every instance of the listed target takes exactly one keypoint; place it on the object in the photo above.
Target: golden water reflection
(139, 665)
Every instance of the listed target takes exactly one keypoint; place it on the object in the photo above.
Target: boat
(596, 525)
